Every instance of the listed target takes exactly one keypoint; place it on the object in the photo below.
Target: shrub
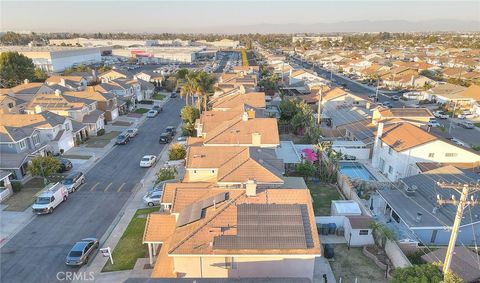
(145, 102)
(167, 173)
(101, 132)
(476, 147)
(177, 152)
(16, 186)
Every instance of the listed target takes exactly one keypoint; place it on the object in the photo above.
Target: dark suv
(165, 138)
(65, 165)
(171, 130)
(122, 139)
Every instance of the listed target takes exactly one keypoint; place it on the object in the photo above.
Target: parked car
(173, 95)
(433, 123)
(386, 104)
(123, 138)
(396, 98)
(65, 165)
(165, 138)
(440, 115)
(152, 113)
(73, 181)
(148, 160)
(459, 142)
(132, 132)
(157, 108)
(466, 124)
(152, 198)
(81, 252)
(49, 199)
(171, 130)
(465, 114)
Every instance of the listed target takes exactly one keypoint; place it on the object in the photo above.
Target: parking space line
(94, 186)
(109, 185)
(121, 187)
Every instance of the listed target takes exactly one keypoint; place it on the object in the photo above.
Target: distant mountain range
(350, 26)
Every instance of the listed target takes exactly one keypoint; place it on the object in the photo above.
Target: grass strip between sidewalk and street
(130, 247)
(141, 110)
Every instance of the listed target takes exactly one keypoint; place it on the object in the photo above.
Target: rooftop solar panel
(193, 212)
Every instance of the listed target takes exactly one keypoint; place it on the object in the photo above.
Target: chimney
(58, 92)
(199, 128)
(256, 139)
(251, 114)
(412, 80)
(419, 217)
(368, 105)
(245, 116)
(251, 188)
(26, 81)
(38, 109)
(62, 82)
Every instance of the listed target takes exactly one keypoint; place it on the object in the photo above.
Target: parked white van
(49, 199)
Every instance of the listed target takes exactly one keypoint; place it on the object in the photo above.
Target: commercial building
(57, 59)
(167, 54)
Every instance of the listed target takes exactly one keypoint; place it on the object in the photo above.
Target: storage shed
(345, 208)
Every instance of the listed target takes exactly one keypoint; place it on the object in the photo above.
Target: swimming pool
(356, 170)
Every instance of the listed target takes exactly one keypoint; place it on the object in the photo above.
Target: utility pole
(453, 115)
(319, 110)
(465, 190)
(376, 92)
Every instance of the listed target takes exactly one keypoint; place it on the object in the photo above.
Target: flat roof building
(167, 54)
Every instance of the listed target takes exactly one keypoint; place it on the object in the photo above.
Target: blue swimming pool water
(356, 170)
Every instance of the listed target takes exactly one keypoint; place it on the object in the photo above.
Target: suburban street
(37, 253)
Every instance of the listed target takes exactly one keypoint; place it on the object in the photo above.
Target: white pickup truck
(440, 115)
(50, 198)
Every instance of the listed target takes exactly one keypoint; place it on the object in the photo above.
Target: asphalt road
(351, 86)
(37, 253)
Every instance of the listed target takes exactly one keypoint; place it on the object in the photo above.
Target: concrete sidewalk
(119, 225)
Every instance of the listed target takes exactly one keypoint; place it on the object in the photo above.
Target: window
(22, 144)
(194, 171)
(390, 169)
(431, 154)
(390, 150)
(363, 232)
(229, 263)
(451, 154)
(10, 105)
(36, 139)
(67, 127)
(213, 171)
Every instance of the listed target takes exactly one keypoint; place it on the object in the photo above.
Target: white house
(302, 76)
(399, 147)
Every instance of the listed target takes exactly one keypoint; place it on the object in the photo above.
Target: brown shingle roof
(159, 227)
(253, 99)
(403, 136)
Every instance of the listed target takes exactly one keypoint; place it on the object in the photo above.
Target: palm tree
(205, 87)
(381, 233)
(190, 87)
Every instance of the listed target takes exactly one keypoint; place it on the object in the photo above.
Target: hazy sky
(191, 16)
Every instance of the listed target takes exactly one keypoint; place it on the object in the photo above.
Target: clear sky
(208, 16)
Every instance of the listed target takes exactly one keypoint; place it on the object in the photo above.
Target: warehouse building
(57, 59)
(167, 54)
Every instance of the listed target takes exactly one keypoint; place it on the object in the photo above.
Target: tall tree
(15, 68)
(44, 166)
(205, 84)
(190, 86)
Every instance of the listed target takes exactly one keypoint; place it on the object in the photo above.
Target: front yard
(130, 247)
(101, 141)
(158, 96)
(141, 110)
(21, 200)
(322, 195)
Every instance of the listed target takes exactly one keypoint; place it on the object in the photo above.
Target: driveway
(37, 252)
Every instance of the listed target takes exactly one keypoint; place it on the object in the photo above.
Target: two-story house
(234, 233)
(79, 109)
(106, 102)
(11, 104)
(25, 135)
(71, 82)
(400, 146)
(228, 101)
(122, 90)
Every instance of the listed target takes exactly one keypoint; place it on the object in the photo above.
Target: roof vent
(419, 217)
(411, 190)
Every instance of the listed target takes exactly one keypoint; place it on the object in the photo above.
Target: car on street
(132, 132)
(386, 104)
(65, 165)
(49, 199)
(395, 98)
(73, 181)
(123, 138)
(152, 198)
(459, 142)
(157, 108)
(173, 95)
(465, 114)
(152, 113)
(171, 130)
(165, 138)
(148, 161)
(466, 124)
(440, 115)
(433, 123)
(81, 252)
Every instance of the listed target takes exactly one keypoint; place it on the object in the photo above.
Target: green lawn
(158, 96)
(26, 196)
(130, 247)
(477, 125)
(140, 110)
(322, 195)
